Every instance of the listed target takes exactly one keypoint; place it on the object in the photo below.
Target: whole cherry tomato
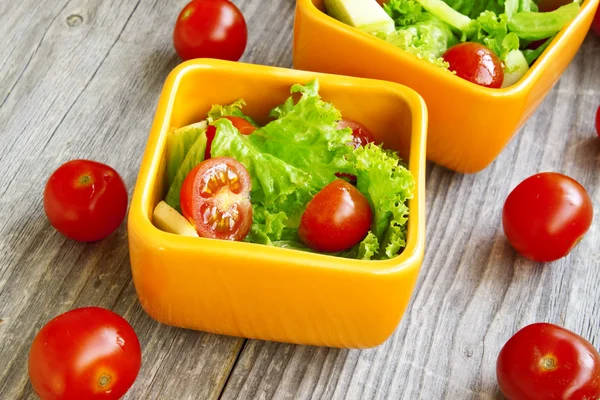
(86, 353)
(210, 29)
(546, 362)
(546, 215)
(475, 63)
(242, 125)
(596, 22)
(85, 200)
(551, 5)
(215, 198)
(337, 218)
(598, 121)
(361, 135)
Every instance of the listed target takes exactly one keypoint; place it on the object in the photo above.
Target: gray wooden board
(80, 79)
(474, 292)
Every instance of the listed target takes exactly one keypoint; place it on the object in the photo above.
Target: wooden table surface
(81, 78)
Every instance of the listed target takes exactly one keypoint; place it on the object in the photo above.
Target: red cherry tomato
(598, 121)
(551, 5)
(337, 218)
(475, 63)
(546, 215)
(85, 353)
(85, 200)
(215, 198)
(210, 29)
(596, 22)
(361, 135)
(242, 125)
(544, 361)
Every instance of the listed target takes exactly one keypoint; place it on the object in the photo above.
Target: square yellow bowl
(257, 291)
(469, 125)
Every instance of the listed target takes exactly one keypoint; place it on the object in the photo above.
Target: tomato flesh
(215, 198)
(546, 215)
(242, 125)
(475, 63)
(85, 353)
(210, 29)
(545, 361)
(85, 200)
(337, 218)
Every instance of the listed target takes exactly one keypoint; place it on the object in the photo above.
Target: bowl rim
(140, 212)
(525, 84)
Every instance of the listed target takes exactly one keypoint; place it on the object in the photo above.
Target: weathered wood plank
(474, 292)
(81, 79)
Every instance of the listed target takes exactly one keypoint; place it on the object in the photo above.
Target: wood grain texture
(474, 292)
(81, 78)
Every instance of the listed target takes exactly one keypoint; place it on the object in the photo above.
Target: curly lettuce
(293, 157)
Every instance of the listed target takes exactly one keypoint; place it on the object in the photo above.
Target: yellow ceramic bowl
(469, 125)
(262, 292)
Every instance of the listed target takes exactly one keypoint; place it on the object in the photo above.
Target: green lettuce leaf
(234, 109)
(446, 13)
(388, 185)
(492, 31)
(542, 25)
(292, 158)
(193, 157)
(473, 8)
(404, 12)
(532, 54)
(179, 143)
(427, 39)
(268, 227)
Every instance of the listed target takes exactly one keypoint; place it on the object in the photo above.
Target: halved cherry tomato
(337, 218)
(361, 135)
(85, 353)
(215, 198)
(544, 361)
(210, 29)
(85, 200)
(546, 215)
(475, 63)
(242, 125)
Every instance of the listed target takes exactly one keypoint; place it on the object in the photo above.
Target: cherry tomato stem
(544, 361)
(85, 200)
(86, 353)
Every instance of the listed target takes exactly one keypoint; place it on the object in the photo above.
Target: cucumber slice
(366, 15)
(193, 157)
(179, 142)
(516, 67)
(167, 219)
